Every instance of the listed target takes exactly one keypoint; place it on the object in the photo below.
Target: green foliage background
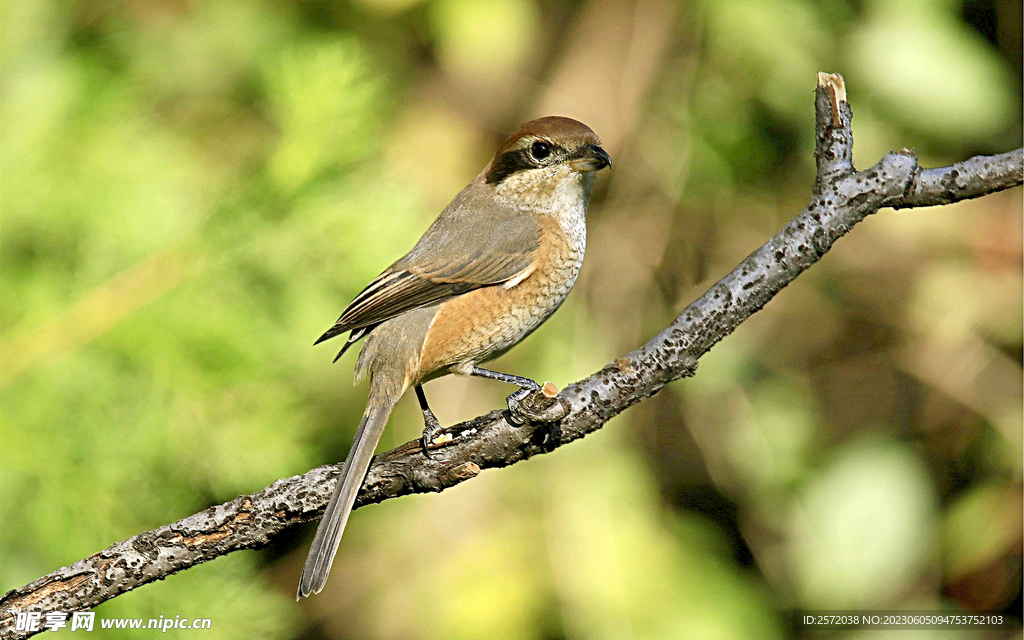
(191, 192)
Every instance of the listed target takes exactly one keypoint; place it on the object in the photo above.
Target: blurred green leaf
(863, 530)
(931, 73)
(326, 101)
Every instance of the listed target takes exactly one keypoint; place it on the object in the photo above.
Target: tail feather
(336, 329)
(332, 526)
(354, 337)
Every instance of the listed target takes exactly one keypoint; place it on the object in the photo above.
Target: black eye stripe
(518, 160)
(508, 163)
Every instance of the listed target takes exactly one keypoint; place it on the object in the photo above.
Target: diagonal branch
(842, 197)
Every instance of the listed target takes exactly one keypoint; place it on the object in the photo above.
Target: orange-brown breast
(485, 323)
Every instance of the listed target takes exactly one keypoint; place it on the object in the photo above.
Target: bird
(493, 266)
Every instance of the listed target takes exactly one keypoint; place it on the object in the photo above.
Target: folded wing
(463, 250)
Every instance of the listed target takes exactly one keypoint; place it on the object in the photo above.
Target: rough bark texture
(842, 197)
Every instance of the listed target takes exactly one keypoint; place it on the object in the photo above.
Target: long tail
(328, 534)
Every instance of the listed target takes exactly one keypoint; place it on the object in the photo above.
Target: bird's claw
(430, 430)
(545, 407)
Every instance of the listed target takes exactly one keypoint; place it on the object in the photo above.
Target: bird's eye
(540, 150)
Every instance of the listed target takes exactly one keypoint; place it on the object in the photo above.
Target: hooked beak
(591, 158)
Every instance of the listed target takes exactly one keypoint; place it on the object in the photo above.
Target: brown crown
(565, 132)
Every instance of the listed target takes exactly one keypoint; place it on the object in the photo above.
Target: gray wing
(466, 248)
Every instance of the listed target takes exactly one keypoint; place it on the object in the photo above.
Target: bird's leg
(431, 426)
(517, 411)
(526, 386)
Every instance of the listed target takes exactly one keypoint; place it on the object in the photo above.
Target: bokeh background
(192, 191)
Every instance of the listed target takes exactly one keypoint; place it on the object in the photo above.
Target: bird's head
(545, 161)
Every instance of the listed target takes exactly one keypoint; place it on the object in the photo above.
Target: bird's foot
(431, 427)
(526, 406)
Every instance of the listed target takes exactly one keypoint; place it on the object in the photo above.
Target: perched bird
(496, 263)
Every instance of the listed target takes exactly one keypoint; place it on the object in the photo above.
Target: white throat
(553, 190)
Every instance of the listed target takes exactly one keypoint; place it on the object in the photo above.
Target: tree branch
(842, 197)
